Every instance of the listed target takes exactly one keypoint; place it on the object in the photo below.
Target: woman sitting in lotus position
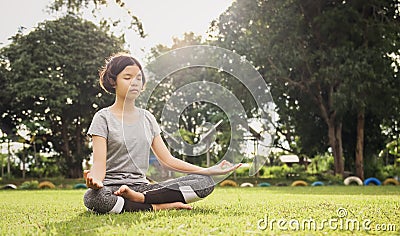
(122, 135)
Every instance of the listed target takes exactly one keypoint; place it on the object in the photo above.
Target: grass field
(351, 210)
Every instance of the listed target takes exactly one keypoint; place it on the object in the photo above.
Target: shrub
(332, 179)
(312, 179)
(262, 171)
(390, 171)
(242, 171)
(34, 184)
(321, 163)
(277, 171)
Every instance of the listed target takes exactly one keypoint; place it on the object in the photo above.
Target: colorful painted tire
(299, 183)
(318, 183)
(80, 186)
(247, 185)
(352, 179)
(372, 180)
(391, 181)
(46, 184)
(264, 184)
(9, 186)
(228, 182)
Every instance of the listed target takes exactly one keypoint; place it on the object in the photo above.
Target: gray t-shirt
(128, 145)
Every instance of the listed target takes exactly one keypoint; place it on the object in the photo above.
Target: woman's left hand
(222, 168)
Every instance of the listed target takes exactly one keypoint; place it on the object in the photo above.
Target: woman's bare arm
(166, 159)
(95, 176)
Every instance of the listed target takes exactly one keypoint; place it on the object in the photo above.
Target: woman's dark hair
(114, 65)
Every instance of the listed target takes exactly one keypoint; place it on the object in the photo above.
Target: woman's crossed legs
(171, 194)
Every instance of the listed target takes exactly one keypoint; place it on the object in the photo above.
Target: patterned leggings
(185, 189)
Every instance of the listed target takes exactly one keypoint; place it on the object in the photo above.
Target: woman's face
(129, 83)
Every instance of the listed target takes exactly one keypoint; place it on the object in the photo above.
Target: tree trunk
(2, 169)
(66, 149)
(9, 158)
(23, 161)
(335, 141)
(360, 144)
(73, 160)
(334, 127)
(75, 171)
(78, 160)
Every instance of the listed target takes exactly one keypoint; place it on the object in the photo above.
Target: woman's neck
(124, 106)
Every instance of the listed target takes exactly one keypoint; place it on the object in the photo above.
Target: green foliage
(390, 171)
(77, 6)
(51, 74)
(244, 171)
(195, 119)
(331, 179)
(33, 184)
(281, 171)
(393, 148)
(311, 179)
(8, 177)
(325, 61)
(379, 170)
(321, 163)
(44, 167)
(276, 171)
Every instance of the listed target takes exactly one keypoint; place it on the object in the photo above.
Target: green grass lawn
(228, 211)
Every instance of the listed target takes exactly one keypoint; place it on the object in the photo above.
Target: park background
(332, 68)
(333, 72)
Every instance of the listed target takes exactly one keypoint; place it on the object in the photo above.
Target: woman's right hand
(222, 168)
(90, 181)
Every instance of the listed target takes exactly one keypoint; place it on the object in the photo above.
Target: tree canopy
(51, 82)
(76, 6)
(327, 63)
(196, 117)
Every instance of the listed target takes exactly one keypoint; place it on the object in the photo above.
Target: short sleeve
(155, 128)
(99, 125)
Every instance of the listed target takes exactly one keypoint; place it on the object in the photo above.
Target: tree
(76, 6)
(192, 83)
(194, 117)
(322, 59)
(52, 78)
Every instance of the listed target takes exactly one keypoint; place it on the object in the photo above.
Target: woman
(122, 135)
